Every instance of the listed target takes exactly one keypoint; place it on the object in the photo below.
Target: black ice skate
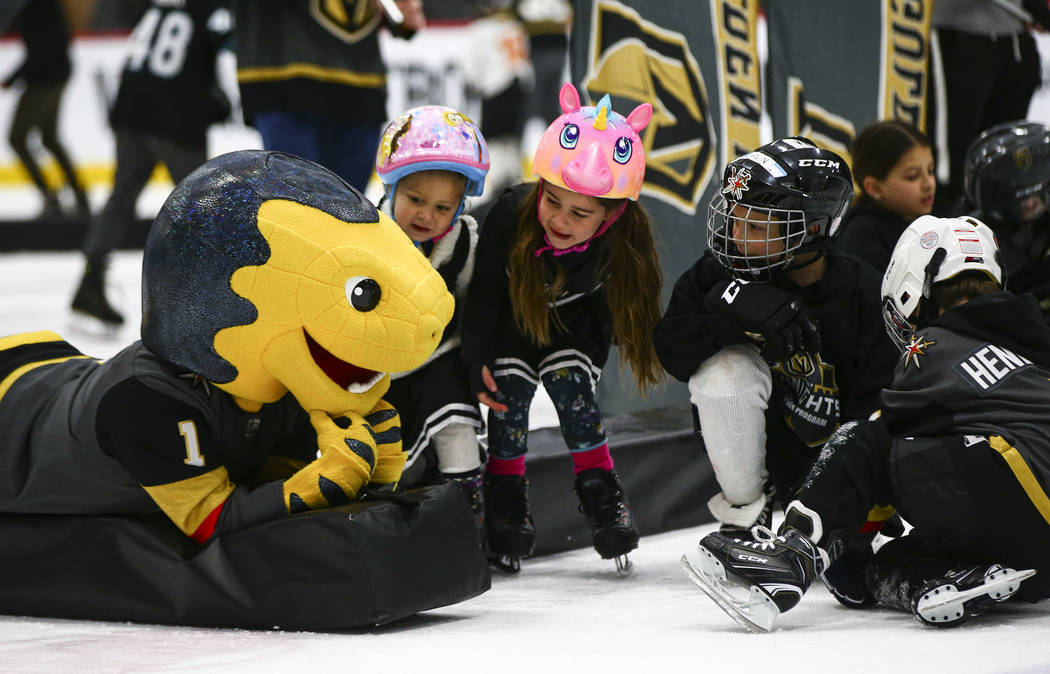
(509, 532)
(609, 515)
(965, 592)
(90, 299)
(470, 482)
(755, 579)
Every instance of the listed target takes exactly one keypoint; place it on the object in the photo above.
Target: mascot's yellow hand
(348, 458)
(390, 460)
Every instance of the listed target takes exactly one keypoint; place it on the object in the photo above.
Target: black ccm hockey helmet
(1007, 172)
(785, 198)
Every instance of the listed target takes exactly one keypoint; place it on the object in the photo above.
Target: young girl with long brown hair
(565, 267)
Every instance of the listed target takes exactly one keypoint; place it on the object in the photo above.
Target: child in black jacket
(893, 166)
(777, 335)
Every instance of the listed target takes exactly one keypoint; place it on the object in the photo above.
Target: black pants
(38, 109)
(960, 494)
(987, 81)
(137, 154)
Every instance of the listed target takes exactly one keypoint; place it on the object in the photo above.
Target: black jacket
(43, 28)
(981, 368)
(488, 318)
(844, 303)
(870, 232)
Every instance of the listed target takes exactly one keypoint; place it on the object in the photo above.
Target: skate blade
(505, 563)
(750, 607)
(624, 566)
(89, 326)
(946, 603)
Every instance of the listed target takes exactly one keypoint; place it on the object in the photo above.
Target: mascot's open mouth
(347, 375)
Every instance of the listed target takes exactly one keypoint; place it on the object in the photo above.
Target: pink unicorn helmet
(593, 150)
(428, 138)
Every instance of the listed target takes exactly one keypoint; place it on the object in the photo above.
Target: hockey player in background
(168, 97)
(961, 449)
(1007, 181)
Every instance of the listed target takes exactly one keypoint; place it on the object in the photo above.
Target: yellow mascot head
(265, 273)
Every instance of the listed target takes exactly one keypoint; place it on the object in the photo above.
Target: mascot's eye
(570, 135)
(363, 293)
(622, 150)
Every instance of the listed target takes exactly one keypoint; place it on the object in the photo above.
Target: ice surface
(569, 612)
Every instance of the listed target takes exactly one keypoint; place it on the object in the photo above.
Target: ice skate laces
(764, 538)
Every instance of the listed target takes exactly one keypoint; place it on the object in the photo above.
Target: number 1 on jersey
(188, 431)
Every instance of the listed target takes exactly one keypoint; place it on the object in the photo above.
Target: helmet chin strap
(925, 314)
(579, 248)
(813, 260)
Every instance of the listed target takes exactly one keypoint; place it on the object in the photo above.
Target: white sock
(457, 448)
(731, 391)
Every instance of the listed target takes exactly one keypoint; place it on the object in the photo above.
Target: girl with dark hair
(893, 169)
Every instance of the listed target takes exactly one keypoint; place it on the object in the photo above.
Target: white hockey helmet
(933, 249)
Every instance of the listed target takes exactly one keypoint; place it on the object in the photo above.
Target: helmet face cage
(782, 199)
(1009, 201)
(753, 242)
(900, 330)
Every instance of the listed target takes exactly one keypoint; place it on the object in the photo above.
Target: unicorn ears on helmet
(569, 99)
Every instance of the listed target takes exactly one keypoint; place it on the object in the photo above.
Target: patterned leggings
(569, 378)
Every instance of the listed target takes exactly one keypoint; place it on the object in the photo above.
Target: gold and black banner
(739, 78)
(836, 67)
(636, 59)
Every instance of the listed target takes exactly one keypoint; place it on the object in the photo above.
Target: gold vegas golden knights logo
(633, 59)
(1023, 158)
(800, 365)
(349, 20)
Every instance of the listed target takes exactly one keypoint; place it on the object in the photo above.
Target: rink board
(363, 565)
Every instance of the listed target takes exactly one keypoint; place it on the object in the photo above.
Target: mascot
(275, 301)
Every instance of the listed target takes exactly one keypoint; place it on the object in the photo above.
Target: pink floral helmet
(593, 150)
(432, 137)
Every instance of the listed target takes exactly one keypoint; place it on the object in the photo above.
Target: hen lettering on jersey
(987, 367)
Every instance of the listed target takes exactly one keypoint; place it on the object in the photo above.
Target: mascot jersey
(276, 300)
(99, 438)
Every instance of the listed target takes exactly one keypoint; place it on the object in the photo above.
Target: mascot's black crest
(207, 230)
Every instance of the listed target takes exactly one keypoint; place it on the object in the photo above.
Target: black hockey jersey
(134, 434)
(811, 395)
(981, 368)
(168, 84)
(313, 58)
